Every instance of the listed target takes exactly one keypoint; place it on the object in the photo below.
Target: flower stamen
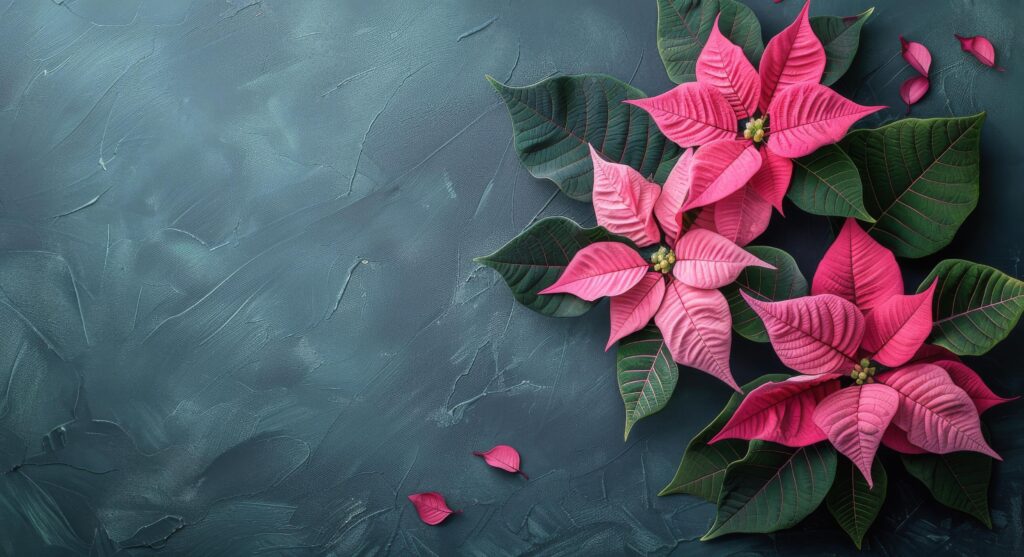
(663, 260)
(863, 372)
(755, 130)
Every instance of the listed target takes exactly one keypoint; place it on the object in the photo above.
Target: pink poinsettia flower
(678, 286)
(787, 114)
(868, 378)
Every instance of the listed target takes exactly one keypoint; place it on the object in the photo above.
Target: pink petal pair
(432, 507)
(928, 402)
(919, 58)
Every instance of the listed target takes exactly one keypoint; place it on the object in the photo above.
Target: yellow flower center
(863, 372)
(663, 259)
(755, 130)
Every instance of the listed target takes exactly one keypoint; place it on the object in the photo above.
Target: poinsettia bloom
(787, 114)
(678, 286)
(868, 377)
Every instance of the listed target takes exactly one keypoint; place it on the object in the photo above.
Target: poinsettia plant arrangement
(876, 367)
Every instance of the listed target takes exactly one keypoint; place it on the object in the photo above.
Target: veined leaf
(533, 261)
(826, 182)
(685, 25)
(555, 119)
(774, 487)
(841, 38)
(920, 179)
(958, 480)
(646, 373)
(852, 503)
(975, 306)
(769, 285)
(703, 466)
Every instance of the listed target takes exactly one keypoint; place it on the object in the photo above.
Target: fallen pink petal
(504, 457)
(981, 48)
(913, 90)
(431, 507)
(917, 55)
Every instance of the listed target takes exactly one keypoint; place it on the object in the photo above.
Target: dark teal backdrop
(239, 313)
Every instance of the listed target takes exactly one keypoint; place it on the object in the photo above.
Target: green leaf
(684, 27)
(533, 261)
(958, 480)
(774, 487)
(646, 372)
(554, 120)
(827, 183)
(975, 306)
(703, 466)
(920, 179)
(852, 503)
(771, 285)
(841, 37)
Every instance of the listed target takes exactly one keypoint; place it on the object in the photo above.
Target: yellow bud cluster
(663, 259)
(863, 372)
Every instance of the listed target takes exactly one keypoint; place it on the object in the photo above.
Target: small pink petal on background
(697, 327)
(807, 116)
(898, 327)
(781, 412)
(812, 334)
(723, 65)
(691, 114)
(793, 56)
(502, 457)
(981, 48)
(917, 55)
(913, 90)
(858, 269)
(855, 419)
(431, 507)
(705, 259)
(720, 168)
(742, 216)
(669, 207)
(632, 310)
(600, 269)
(624, 201)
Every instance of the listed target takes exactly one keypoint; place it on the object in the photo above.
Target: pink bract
(691, 313)
(431, 507)
(788, 112)
(917, 55)
(857, 320)
(502, 457)
(914, 90)
(981, 48)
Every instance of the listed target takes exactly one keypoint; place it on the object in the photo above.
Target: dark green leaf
(975, 306)
(852, 503)
(554, 120)
(957, 480)
(920, 180)
(774, 487)
(703, 466)
(826, 182)
(841, 37)
(646, 372)
(685, 25)
(772, 285)
(535, 259)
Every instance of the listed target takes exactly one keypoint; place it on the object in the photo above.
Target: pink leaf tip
(502, 457)
(431, 507)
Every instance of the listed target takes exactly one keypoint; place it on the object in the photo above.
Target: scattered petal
(697, 327)
(632, 310)
(504, 458)
(705, 259)
(781, 412)
(723, 65)
(624, 201)
(431, 507)
(806, 116)
(720, 168)
(897, 327)
(793, 56)
(668, 209)
(859, 269)
(913, 90)
(981, 48)
(601, 269)
(855, 419)
(691, 114)
(812, 334)
(917, 55)
(937, 415)
(742, 216)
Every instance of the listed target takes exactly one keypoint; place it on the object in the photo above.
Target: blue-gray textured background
(239, 313)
